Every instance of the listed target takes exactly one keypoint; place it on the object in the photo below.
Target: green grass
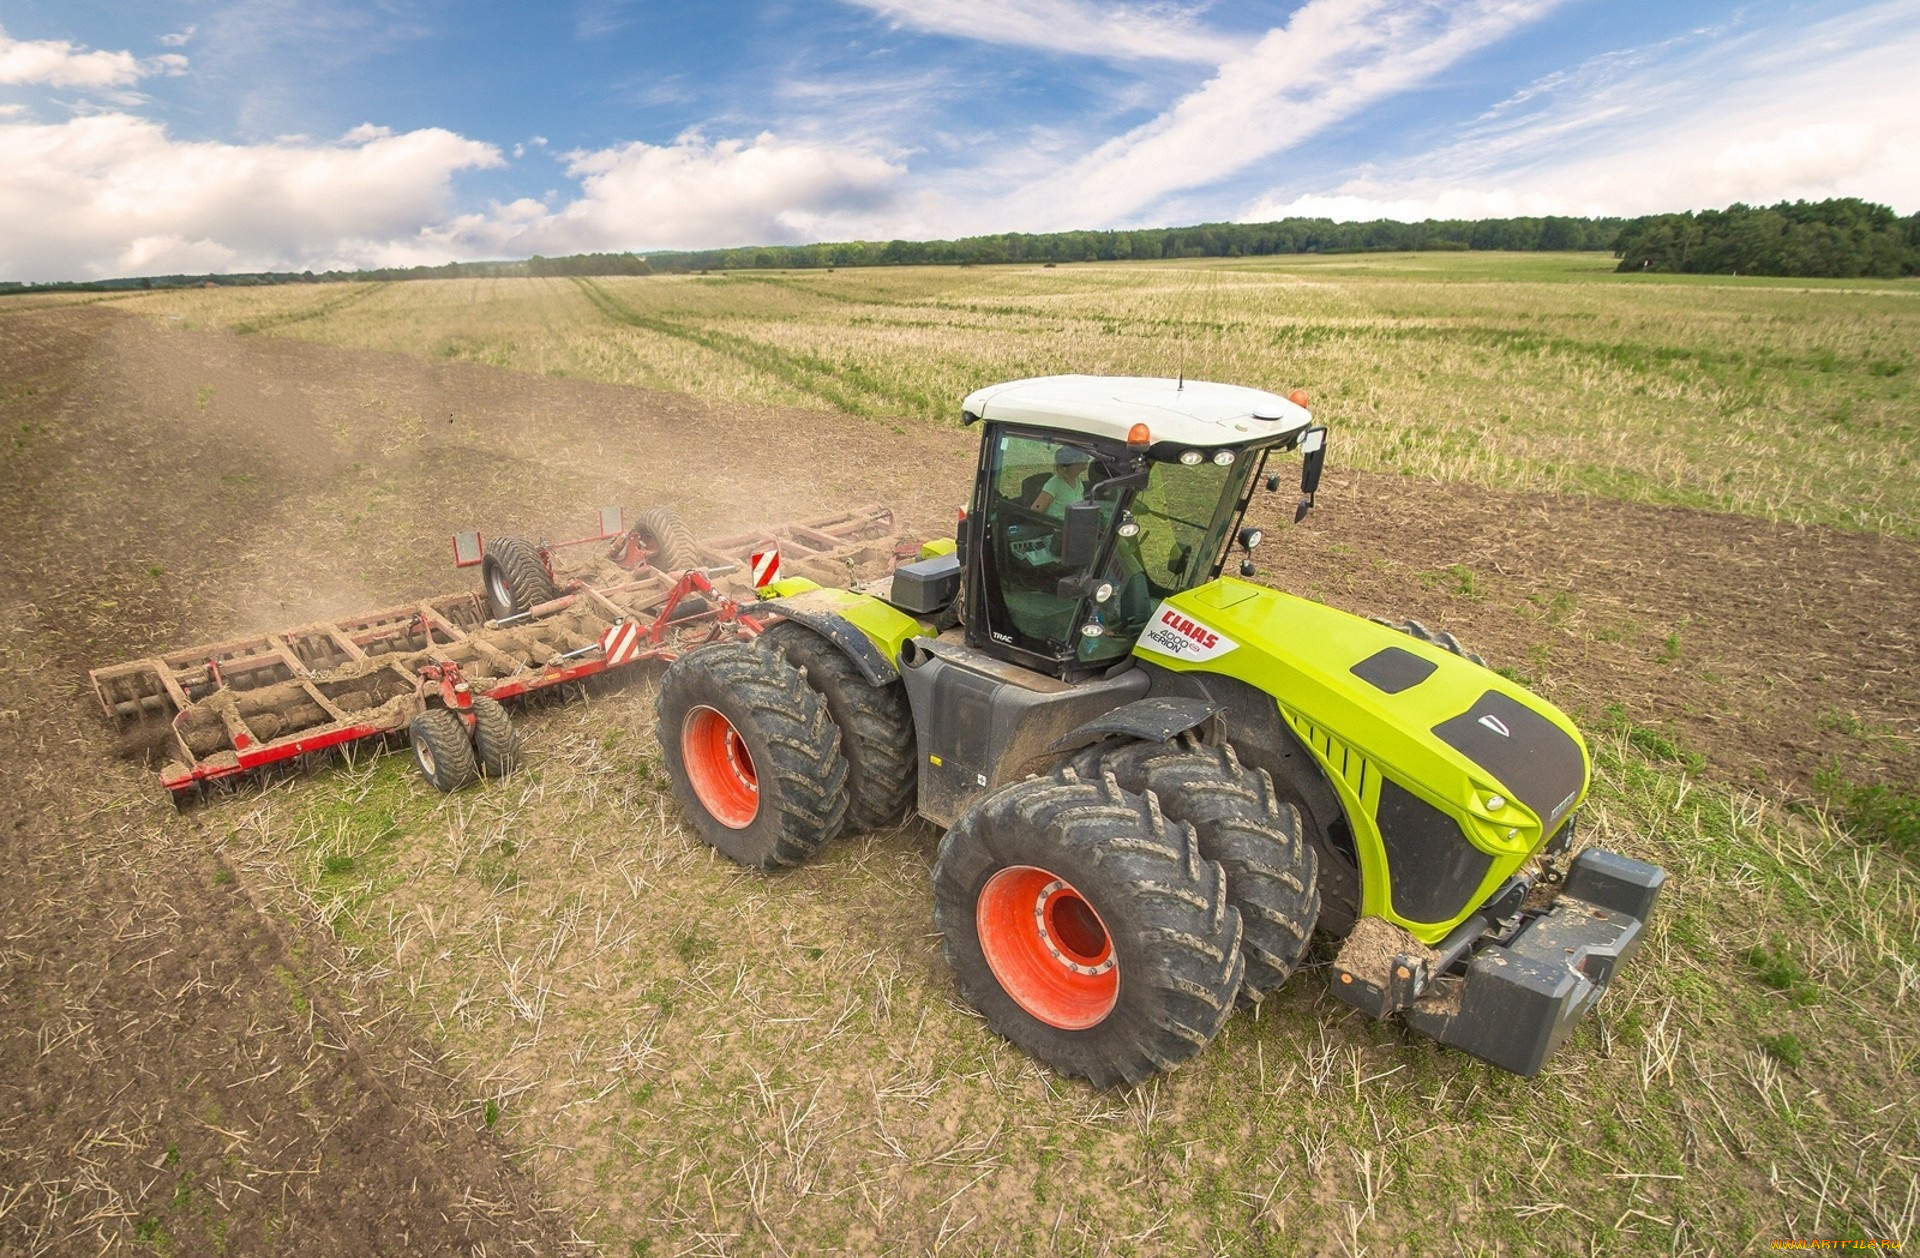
(1876, 813)
(1773, 962)
(1456, 579)
(1782, 399)
(1785, 1048)
(1650, 742)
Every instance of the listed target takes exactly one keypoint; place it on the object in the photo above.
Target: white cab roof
(1195, 413)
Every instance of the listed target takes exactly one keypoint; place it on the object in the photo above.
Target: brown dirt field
(164, 1039)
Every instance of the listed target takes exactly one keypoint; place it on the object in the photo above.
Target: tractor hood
(1452, 775)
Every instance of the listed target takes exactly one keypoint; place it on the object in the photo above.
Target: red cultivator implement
(548, 615)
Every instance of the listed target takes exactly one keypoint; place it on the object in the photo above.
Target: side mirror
(1315, 445)
(1081, 541)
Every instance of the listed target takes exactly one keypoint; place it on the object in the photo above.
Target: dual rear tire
(753, 755)
(1106, 918)
(1088, 928)
(777, 746)
(876, 726)
(1238, 820)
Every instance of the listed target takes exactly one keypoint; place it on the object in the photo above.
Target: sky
(193, 136)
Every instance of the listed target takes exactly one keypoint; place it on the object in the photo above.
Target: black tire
(876, 726)
(776, 733)
(663, 532)
(1239, 820)
(514, 576)
(442, 751)
(496, 748)
(1159, 909)
(1442, 639)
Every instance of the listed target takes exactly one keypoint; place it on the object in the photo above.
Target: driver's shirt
(1060, 493)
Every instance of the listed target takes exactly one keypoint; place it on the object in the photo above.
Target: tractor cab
(1095, 498)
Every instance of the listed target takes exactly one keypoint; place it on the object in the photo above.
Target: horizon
(189, 138)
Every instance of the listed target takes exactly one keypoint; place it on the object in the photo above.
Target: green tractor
(1157, 781)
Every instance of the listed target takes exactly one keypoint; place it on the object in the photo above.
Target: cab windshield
(1158, 538)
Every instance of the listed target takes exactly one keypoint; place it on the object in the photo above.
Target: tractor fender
(1145, 720)
(824, 615)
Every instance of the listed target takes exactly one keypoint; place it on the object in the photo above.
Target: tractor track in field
(173, 1055)
(331, 303)
(816, 378)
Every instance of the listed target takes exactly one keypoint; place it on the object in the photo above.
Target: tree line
(1207, 240)
(1844, 238)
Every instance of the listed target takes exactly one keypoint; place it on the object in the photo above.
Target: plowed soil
(165, 1040)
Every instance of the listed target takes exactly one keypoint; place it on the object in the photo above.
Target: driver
(1067, 485)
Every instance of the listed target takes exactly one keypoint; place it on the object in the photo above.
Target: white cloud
(1118, 32)
(59, 63)
(691, 193)
(1830, 108)
(180, 38)
(113, 194)
(1332, 59)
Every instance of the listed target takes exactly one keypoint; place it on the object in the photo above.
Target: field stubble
(1786, 401)
(787, 1069)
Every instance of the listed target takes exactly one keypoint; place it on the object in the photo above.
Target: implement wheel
(496, 748)
(876, 726)
(663, 532)
(441, 750)
(514, 575)
(755, 759)
(1087, 928)
(1272, 875)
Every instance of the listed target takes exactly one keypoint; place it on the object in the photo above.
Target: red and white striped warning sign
(766, 566)
(621, 643)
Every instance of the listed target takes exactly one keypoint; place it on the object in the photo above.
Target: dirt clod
(1369, 951)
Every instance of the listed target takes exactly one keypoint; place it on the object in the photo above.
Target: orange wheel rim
(719, 768)
(1048, 947)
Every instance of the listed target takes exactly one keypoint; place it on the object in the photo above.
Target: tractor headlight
(1092, 629)
(1222, 457)
(1251, 537)
(1128, 528)
(1103, 592)
(1192, 458)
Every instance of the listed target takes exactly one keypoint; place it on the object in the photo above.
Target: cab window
(1032, 480)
